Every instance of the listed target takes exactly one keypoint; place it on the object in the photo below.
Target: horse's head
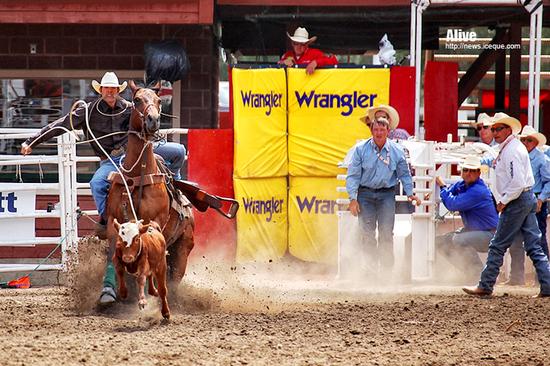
(129, 239)
(146, 113)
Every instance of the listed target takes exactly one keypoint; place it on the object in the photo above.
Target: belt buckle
(117, 152)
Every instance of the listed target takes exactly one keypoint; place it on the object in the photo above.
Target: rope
(41, 262)
(107, 155)
(137, 160)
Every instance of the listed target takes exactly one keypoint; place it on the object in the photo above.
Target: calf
(141, 251)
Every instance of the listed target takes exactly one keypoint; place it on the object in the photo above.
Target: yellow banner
(262, 232)
(259, 104)
(313, 224)
(323, 115)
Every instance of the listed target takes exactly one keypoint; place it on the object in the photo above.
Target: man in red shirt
(301, 54)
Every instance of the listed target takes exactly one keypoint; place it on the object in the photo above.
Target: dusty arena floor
(244, 318)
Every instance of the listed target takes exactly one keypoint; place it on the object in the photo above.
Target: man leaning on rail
(517, 206)
(302, 54)
(108, 117)
(375, 167)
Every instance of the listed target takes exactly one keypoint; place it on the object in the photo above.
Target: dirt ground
(237, 316)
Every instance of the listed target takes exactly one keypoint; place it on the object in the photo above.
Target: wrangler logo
(318, 206)
(261, 207)
(348, 102)
(257, 100)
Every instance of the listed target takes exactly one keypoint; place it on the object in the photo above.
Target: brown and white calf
(141, 251)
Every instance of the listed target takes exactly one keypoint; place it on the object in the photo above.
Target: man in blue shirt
(375, 167)
(473, 200)
(540, 163)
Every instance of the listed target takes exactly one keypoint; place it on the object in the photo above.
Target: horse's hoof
(101, 231)
(166, 315)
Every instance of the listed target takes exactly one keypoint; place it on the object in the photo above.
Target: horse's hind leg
(178, 254)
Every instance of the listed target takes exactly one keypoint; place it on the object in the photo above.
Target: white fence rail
(66, 188)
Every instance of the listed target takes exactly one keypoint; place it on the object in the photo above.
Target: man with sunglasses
(483, 128)
(474, 201)
(301, 54)
(376, 167)
(517, 205)
(540, 164)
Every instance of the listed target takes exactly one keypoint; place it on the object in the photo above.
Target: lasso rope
(104, 152)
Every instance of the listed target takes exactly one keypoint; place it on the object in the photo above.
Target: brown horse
(147, 185)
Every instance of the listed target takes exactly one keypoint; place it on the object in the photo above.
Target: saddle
(182, 193)
(199, 198)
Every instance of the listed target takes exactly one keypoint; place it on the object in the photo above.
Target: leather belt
(384, 189)
(115, 153)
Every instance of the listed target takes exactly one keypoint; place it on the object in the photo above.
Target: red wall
(402, 95)
(441, 100)
(210, 165)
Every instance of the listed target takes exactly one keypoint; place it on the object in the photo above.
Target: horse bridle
(144, 114)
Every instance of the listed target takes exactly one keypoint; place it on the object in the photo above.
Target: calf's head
(129, 239)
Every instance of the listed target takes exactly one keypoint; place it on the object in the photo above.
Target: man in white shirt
(516, 204)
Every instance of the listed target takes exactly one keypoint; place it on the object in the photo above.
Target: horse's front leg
(141, 288)
(119, 268)
(160, 276)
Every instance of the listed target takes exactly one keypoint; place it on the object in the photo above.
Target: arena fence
(17, 200)
(427, 160)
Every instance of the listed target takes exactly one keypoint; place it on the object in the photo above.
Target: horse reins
(142, 135)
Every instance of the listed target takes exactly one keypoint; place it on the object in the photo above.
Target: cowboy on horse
(109, 117)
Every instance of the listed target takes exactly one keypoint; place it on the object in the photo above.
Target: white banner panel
(15, 203)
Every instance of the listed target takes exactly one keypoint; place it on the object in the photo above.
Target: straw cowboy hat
(471, 162)
(392, 113)
(301, 36)
(109, 80)
(484, 120)
(505, 119)
(530, 131)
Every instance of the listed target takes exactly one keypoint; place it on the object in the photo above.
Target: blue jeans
(173, 153)
(377, 210)
(174, 156)
(542, 215)
(517, 253)
(517, 217)
(517, 265)
(461, 247)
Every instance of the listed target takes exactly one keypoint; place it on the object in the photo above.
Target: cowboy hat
(471, 162)
(530, 131)
(109, 80)
(483, 119)
(301, 36)
(392, 113)
(505, 119)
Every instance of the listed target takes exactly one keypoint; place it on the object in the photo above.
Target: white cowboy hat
(392, 113)
(530, 131)
(109, 80)
(484, 120)
(505, 119)
(301, 36)
(471, 162)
